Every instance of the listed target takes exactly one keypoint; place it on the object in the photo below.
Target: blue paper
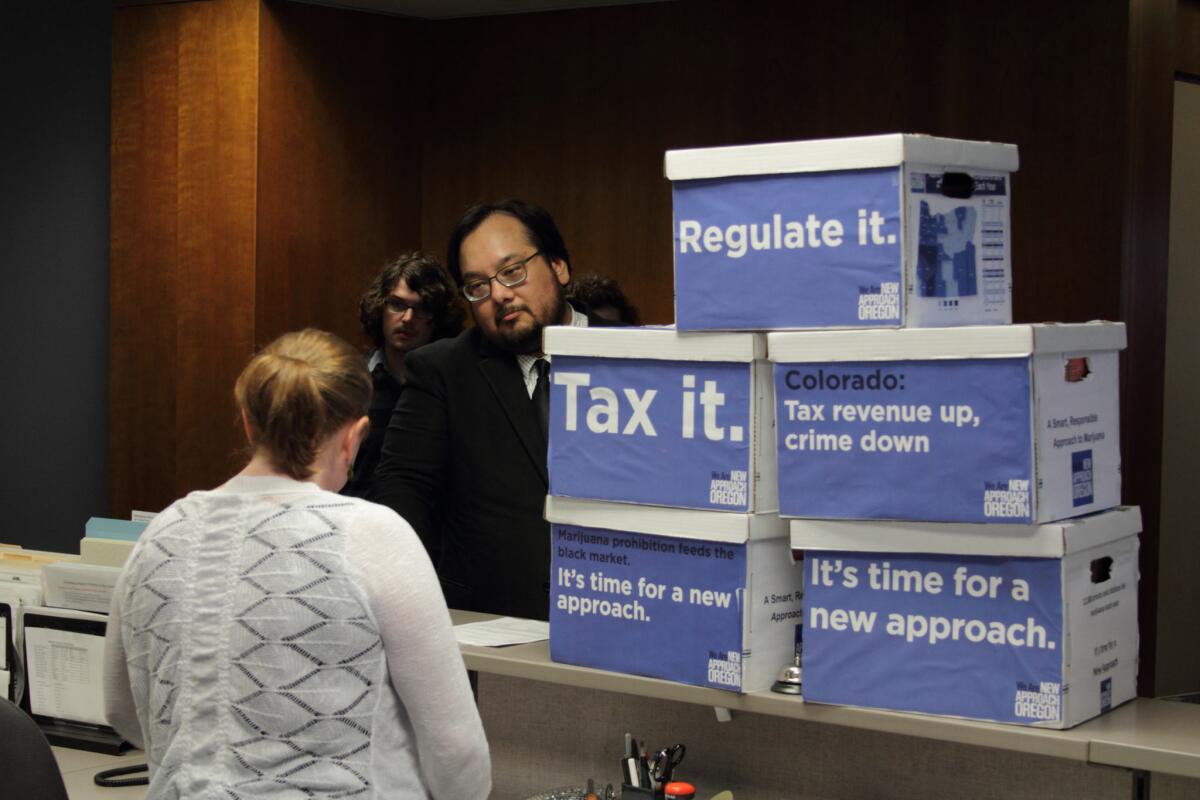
(104, 528)
(659, 606)
(672, 433)
(788, 251)
(987, 645)
(1082, 487)
(942, 441)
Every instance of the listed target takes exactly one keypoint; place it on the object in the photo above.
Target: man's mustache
(506, 310)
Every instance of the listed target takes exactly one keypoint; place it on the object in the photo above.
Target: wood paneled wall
(1187, 39)
(265, 164)
(575, 109)
(368, 134)
(341, 121)
(1146, 215)
(184, 114)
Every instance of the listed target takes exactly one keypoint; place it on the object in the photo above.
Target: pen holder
(635, 791)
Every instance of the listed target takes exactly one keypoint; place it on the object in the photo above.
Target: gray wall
(1178, 658)
(55, 66)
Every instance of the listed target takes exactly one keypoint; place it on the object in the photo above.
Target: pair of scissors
(663, 765)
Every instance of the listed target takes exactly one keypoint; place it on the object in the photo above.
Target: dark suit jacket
(464, 461)
(383, 401)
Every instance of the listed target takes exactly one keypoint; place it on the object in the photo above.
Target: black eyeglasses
(400, 307)
(508, 276)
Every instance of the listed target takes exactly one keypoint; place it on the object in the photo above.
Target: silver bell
(789, 678)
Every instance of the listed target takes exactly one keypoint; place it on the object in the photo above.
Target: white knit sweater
(270, 639)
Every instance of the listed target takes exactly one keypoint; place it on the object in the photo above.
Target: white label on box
(957, 248)
(1078, 435)
(776, 592)
(1101, 589)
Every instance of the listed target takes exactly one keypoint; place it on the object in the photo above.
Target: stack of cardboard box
(942, 470)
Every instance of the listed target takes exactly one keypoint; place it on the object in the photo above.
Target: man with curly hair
(603, 297)
(410, 303)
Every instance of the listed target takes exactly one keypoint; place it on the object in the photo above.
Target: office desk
(1152, 736)
(1143, 735)
(78, 767)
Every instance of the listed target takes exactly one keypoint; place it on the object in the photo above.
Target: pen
(632, 773)
(629, 764)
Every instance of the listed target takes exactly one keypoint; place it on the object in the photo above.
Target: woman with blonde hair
(270, 638)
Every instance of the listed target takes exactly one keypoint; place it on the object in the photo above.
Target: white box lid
(653, 342)
(682, 523)
(1049, 540)
(978, 341)
(824, 155)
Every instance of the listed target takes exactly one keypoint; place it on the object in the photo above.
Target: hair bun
(299, 390)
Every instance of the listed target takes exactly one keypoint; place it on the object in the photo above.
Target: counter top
(1144, 734)
(1151, 735)
(79, 767)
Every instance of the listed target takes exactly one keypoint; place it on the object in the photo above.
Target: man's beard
(531, 341)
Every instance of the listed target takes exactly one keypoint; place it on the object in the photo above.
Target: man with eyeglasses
(409, 303)
(464, 459)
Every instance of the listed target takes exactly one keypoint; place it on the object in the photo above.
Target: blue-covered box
(650, 415)
(700, 597)
(1024, 624)
(875, 231)
(996, 424)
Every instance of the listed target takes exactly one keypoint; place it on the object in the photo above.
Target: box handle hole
(1102, 569)
(1077, 369)
(958, 184)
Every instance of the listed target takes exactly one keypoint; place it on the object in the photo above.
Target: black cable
(109, 777)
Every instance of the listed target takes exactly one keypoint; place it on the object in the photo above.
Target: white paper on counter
(502, 632)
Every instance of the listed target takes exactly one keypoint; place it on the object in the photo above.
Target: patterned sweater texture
(272, 640)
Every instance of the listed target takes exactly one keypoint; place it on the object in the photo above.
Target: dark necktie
(541, 395)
